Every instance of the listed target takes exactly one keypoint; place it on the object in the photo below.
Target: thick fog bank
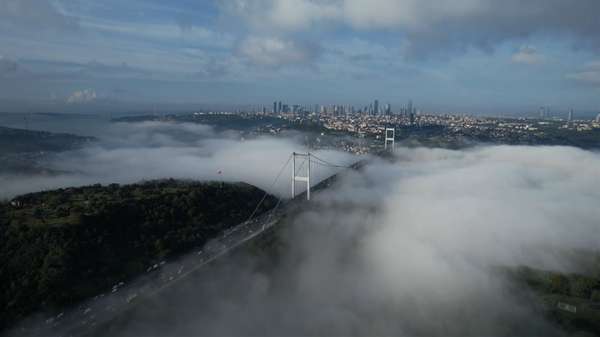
(408, 248)
(130, 152)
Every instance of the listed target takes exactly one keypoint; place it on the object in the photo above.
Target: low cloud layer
(129, 153)
(407, 248)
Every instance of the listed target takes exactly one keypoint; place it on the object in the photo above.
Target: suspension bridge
(309, 173)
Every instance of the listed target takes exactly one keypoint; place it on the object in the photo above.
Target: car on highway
(87, 311)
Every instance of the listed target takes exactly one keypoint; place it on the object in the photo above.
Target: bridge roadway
(77, 322)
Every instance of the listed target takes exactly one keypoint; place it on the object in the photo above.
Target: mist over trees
(59, 246)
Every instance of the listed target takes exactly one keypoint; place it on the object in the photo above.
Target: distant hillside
(60, 246)
(19, 141)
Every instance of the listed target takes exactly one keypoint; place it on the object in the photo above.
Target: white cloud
(96, 67)
(431, 27)
(527, 55)
(8, 64)
(40, 14)
(586, 77)
(274, 52)
(84, 96)
(595, 64)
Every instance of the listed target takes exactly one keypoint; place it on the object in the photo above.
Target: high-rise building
(376, 107)
(274, 107)
(387, 109)
(264, 110)
(323, 110)
(570, 115)
(542, 112)
(316, 108)
(285, 109)
(409, 106)
(547, 112)
(412, 118)
(598, 118)
(280, 111)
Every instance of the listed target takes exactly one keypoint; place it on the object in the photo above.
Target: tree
(557, 284)
(595, 296)
(76, 219)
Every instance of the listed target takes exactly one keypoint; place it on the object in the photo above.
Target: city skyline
(64, 56)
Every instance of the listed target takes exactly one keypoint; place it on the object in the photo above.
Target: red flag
(219, 172)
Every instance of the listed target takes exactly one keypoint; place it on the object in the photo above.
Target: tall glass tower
(409, 106)
(376, 108)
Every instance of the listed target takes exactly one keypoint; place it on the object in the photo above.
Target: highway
(84, 319)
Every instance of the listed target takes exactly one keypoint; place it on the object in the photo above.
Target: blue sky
(447, 56)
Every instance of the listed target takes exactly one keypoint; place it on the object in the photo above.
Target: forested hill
(19, 141)
(60, 246)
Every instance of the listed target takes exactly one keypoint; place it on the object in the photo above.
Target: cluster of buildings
(373, 109)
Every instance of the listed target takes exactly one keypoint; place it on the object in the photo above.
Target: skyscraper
(316, 108)
(547, 112)
(570, 115)
(409, 106)
(542, 112)
(285, 109)
(274, 107)
(387, 109)
(376, 107)
(279, 107)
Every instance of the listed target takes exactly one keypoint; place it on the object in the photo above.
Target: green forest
(59, 246)
(552, 287)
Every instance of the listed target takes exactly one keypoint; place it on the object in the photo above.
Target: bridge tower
(301, 178)
(387, 138)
